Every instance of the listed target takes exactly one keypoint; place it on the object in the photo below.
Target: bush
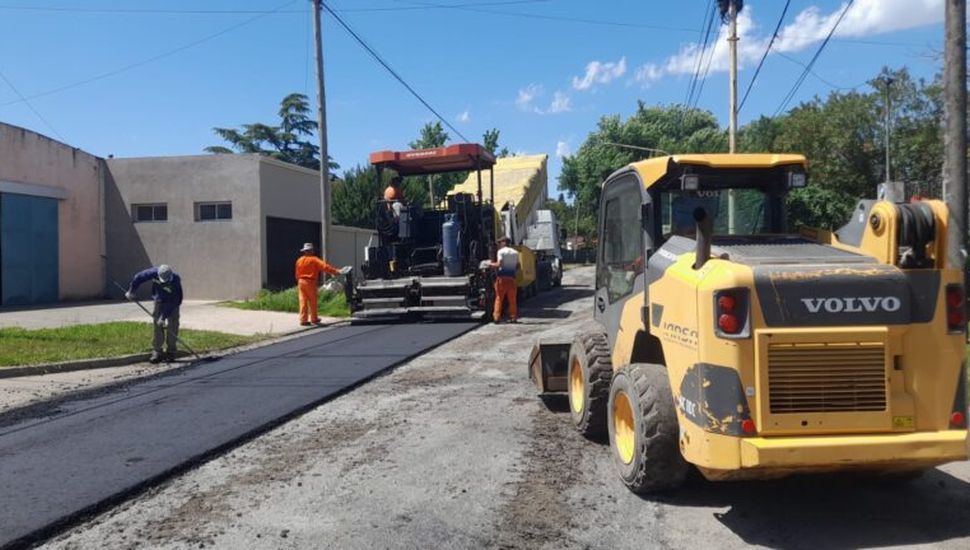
(329, 304)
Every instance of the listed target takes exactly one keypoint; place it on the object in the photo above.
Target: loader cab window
(621, 238)
(751, 211)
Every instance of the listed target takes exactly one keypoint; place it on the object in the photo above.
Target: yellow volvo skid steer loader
(727, 343)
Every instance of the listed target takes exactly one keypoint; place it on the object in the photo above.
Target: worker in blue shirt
(167, 295)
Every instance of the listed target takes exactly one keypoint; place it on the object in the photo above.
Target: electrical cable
(764, 56)
(31, 107)
(377, 57)
(819, 77)
(811, 63)
(152, 59)
(703, 40)
(163, 11)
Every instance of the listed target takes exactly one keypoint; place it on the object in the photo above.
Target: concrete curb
(68, 366)
(124, 360)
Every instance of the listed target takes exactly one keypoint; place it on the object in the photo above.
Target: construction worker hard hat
(306, 247)
(164, 273)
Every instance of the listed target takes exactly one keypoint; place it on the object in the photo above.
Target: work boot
(305, 324)
(514, 321)
(170, 357)
(155, 357)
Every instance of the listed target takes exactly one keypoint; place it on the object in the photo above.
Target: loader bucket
(548, 364)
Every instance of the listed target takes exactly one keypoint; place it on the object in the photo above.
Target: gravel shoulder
(455, 450)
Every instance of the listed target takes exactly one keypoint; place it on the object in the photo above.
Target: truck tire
(643, 429)
(588, 383)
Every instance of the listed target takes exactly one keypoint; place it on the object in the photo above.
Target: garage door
(284, 238)
(28, 250)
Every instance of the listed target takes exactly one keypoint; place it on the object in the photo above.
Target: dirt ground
(455, 450)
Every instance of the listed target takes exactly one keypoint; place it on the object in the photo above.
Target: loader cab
(643, 207)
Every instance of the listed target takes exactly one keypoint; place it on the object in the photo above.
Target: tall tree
(355, 197)
(289, 141)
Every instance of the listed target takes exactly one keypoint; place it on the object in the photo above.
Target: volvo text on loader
(726, 343)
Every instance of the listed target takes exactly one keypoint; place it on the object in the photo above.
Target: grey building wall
(216, 259)
(33, 164)
(293, 192)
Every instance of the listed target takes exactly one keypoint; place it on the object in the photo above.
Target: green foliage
(30, 347)
(674, 129)
(288, 141)
(355, 196)
(329, 304)
(490, 142)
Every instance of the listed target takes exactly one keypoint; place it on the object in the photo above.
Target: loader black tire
(588, 383)
(647, 454)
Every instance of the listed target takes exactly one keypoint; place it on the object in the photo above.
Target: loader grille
(818, 377)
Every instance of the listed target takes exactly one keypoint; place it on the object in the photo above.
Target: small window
(621, 254)
(149, 212)
(213, 211)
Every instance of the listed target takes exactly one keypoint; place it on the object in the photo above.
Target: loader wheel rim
(624, 437)
(577, 387)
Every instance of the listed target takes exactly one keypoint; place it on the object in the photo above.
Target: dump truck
(518, 191)
(426, 262)
(726, 343)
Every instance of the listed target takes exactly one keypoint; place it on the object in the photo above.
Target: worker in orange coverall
(308, 268)
(506, 263)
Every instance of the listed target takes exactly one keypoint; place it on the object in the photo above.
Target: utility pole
(322, 134)
(955, 130)
(732, 14)
(733, 90)
(888, 81)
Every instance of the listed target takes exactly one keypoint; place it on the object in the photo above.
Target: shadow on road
(825, 511)
(836, 511)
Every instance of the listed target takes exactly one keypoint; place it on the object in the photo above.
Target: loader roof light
(690, 182)
(957, 420)
(797, 180)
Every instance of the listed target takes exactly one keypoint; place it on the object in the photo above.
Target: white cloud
(806, 29)
(648, 74)
(562, 149)
(560, 104)
(600, 73)
(463, 116)
(527, 97)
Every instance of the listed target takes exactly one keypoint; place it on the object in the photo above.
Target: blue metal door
(28, 250)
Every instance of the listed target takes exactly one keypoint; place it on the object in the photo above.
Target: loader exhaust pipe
(705, 226)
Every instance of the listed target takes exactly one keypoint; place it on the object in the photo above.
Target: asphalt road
(454, 450)
(75, 456)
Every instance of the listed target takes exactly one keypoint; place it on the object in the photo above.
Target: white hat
(164, 273)
(306, 246)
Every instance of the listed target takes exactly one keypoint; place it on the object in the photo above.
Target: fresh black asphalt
(60, 465)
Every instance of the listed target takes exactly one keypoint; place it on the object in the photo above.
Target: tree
(415, 188)
(490, 142)
(355, 196)
(287, 142)
(674, 129)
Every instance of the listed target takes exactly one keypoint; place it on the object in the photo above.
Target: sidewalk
(195, 314)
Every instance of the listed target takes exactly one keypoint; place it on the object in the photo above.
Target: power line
(152, 59)
(819, 77)
(808, 68)
(31, 107)
(164, 11)
(377, 57)
(707, 70)
(706, 33)
(764, 56)
(545, 17)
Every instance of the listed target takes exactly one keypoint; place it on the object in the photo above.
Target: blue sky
(106, 77)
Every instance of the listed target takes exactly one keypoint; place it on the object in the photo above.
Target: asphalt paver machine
(426, 261)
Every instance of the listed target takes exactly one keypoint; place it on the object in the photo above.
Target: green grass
(30, 347)
(330, 304)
